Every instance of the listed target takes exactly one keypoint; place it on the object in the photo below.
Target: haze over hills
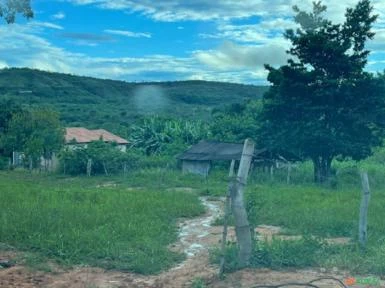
(94, 102)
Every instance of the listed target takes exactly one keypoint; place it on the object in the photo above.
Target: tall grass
(317, 212)
(74, 222)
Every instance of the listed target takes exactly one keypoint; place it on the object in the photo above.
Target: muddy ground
(196, 236)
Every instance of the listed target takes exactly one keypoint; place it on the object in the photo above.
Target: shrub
(4, 163)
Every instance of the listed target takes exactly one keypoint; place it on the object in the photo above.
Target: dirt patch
(183, 189)
(107, 185)
(248, 278)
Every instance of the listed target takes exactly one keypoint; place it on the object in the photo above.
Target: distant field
(75, 221)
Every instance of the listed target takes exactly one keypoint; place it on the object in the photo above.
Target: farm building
(81, 136)
(199, 157)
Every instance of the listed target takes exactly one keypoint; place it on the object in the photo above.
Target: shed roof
(83, 135)
(212, 150)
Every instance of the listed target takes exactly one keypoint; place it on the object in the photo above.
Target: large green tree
(236, 122)
(36, 132)
(10, 8)
(322, 103)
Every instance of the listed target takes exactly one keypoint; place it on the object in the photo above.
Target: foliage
(324, 104)
(198, 283)
(7, 109)
(4, 162)
(114, 105)
(236, 122)
(106, 159)
(10, 8)
(78, 221)
(280, 254)
(155, 135)
(35, 132)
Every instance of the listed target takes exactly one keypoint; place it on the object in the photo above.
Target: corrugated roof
(213, 150)
(83, 135)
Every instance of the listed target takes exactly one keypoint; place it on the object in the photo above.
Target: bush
(4, 163)
(106, 159)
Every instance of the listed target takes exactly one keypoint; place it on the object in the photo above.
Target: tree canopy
(322, 103)
(36, 132)
(10, 8)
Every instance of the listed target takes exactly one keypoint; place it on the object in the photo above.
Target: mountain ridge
(93, 102)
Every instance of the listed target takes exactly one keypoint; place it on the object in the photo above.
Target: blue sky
(161, 40)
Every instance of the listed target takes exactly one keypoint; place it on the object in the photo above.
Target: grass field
(74, 222)
(127, 222)
(317, 213)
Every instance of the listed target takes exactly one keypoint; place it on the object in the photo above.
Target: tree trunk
(242, 227)
(322, 167)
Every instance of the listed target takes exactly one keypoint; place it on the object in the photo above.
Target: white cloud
(246, 47)
(3, 64)
(128, 33)
(46, 25)
(59, 15)
(29, 49)
(378, 43)
(231, 56)
(176, 10)
(268, 30)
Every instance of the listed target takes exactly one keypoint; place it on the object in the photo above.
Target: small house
(81, 136)
(199, 157)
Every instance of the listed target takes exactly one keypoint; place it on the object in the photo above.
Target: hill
(95, 102)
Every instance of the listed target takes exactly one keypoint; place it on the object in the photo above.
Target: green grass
(73, 222)
(129, 225)
(317, 213)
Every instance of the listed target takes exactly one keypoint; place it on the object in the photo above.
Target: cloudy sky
(157, 40)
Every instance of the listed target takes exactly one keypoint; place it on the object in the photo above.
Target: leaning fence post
(363, 222)
(226, 217)
(242, 227)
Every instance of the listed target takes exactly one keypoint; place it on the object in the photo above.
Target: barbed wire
(304, 284)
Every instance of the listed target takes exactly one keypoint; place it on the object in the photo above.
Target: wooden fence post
(226, 217)
(288, 173)
(242, 227)
(363, 223)
(89, 167)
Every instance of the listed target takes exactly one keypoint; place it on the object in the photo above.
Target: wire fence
(312, 283)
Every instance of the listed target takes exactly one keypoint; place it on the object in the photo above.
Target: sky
(165, 40)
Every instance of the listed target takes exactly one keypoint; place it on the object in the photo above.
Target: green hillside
(95, 102)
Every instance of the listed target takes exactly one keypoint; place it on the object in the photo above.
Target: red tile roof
(83, 135)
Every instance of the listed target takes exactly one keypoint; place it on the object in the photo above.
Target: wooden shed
(198, 158)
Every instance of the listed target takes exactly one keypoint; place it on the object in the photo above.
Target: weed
(71, 221)
(198, 283)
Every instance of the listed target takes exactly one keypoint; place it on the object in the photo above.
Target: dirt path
(196, 236)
